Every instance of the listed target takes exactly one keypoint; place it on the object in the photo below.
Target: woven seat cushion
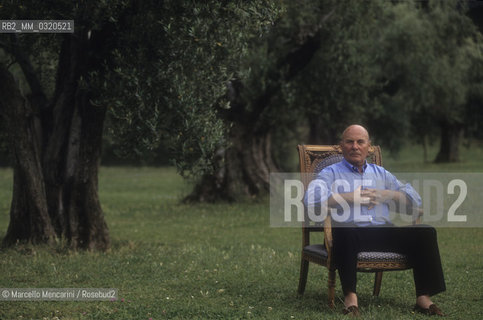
(381, 257)
(320, 251)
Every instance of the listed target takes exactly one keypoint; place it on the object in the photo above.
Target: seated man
(362, 193)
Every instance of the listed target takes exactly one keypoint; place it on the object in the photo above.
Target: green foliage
(336, 86)
(429, 61)
(170, 79)
(398, 67)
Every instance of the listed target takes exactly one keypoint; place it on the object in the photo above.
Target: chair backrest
(314, 158)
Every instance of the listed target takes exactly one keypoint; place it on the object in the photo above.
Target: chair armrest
(417, 213)
(328, 241)
(328, 234)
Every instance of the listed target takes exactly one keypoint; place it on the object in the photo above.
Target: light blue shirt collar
(354, 168)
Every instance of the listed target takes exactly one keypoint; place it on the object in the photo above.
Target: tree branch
(295, 61)
(38, 95)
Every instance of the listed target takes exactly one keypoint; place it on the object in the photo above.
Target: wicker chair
(313, 159)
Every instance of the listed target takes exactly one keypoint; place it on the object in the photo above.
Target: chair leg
(331, 284)
(377, 283)
(304, 270)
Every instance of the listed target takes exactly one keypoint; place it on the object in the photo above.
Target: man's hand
(354, 197)
(368, 197)
(359, 197)
(377, 196)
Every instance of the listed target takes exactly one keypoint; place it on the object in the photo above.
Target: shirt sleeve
(318, 190)
(392, 183)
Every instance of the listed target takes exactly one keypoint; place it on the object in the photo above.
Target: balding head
(355, 145)
(355, 128)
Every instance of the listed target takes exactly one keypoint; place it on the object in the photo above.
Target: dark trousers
(419, 243)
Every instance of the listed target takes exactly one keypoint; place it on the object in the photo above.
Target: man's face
(355, 145)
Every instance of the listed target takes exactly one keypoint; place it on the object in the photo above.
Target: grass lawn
(223, 261)
(411, 158)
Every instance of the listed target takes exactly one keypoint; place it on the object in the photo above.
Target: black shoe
(433, 310)
(352, 311)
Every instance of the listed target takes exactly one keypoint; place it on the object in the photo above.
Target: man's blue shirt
(342, 177)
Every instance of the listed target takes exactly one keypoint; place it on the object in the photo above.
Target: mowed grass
(211, 261)
(411, 158)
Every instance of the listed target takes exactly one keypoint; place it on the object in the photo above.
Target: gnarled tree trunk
(29, 217)
(450, 140)
(243, 168)
(57, 148)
